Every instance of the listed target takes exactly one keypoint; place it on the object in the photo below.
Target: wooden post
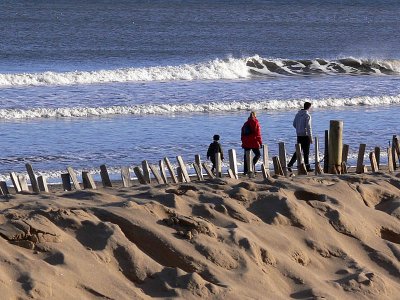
(249, 162)
(265, 172)
(335, 147)
(126, 177)
(277, 166)
(171, 170)
(42, 183)
(265, 156)
(395, 152)
(22, 183)
(396, 144)
(345, 153)
(282, 157)
(3, 188)
(233, 162)
(74, 179)
(146, 171)
(15, 182)
(183, 168)
(162, 171)
(374, 165)
(180, 174)
(360, 159)
(87, 180)
(390, 160)
(197, 160)
(139, 175)
(198, 171)
(66, 181)
(32, 178)
(105, 178)
(218, 165)
(318, 169)
(326, 152)
(378, 156)
(208, 170)
(301, 168)
(156, 174)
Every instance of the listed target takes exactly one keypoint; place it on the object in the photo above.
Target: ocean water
(85, 83)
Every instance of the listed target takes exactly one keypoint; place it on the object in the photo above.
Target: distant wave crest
(225, 69)
(166, 109)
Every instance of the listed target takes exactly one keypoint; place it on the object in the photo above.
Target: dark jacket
(214, 148)
(252, 139)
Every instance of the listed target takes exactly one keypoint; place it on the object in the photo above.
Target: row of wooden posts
(335, 162)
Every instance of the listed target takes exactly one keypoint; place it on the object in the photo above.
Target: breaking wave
(169, 109)
(218, 69)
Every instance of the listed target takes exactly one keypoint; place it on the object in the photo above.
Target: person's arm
(308, 128)
(209, 152)
(259, 138)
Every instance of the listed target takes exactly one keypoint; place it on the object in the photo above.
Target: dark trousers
(304, 141)
(257, 155)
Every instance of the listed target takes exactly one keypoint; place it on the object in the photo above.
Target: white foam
(166, 109)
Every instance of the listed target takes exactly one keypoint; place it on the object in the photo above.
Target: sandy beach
(304, 237)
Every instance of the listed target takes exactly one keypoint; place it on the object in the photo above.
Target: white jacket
(302, 123)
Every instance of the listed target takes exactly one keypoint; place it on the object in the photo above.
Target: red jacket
(252, 140)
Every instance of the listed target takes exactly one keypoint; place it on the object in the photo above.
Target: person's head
(253, 115)
(307, 105)
(216, 137)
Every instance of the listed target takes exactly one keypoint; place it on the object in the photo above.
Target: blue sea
(85, 83)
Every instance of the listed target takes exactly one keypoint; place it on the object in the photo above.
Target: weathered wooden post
(162, 171)
(301, 167)
(282, 158)
(335, 147)
(218, 165)
(374, 165)
(198, 171)
(126, 177)
(208, 170)
(326, 152)
(265, 156)
(318, 169)
(233, 162)
(87, 181)
(395, 152)
(3, 188)
(181, 178)
(146, 171)
(32, 178)
(249, 162)
(74, 179)
(390, 160)
(15, 182)
(156, 174)
(22, 183)
(66, 181)
(42, 183)
(197, 160)
(105, 178)
(360, 159)
(183, 168)
(139, 175)
(378, 156)
(277, 166)
(171, 170)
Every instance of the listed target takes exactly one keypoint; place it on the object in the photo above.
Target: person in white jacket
(302, 123)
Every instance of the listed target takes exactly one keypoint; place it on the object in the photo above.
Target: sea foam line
(169, 109)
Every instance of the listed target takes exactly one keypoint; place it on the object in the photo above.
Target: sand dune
(316, 237)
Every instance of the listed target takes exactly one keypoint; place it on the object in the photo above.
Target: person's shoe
(289, 169)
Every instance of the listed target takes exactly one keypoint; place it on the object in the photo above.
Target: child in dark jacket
(215, 147)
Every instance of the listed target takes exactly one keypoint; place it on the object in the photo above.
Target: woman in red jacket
(251, 139)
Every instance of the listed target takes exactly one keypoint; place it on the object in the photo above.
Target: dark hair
(307, 105)
(216, 137)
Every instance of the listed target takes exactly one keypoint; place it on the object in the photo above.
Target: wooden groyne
(335, 162)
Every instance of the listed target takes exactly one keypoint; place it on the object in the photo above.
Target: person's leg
(257, 155)
(213, 163)
(244, 161)
(305, 146)
(292, 160)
